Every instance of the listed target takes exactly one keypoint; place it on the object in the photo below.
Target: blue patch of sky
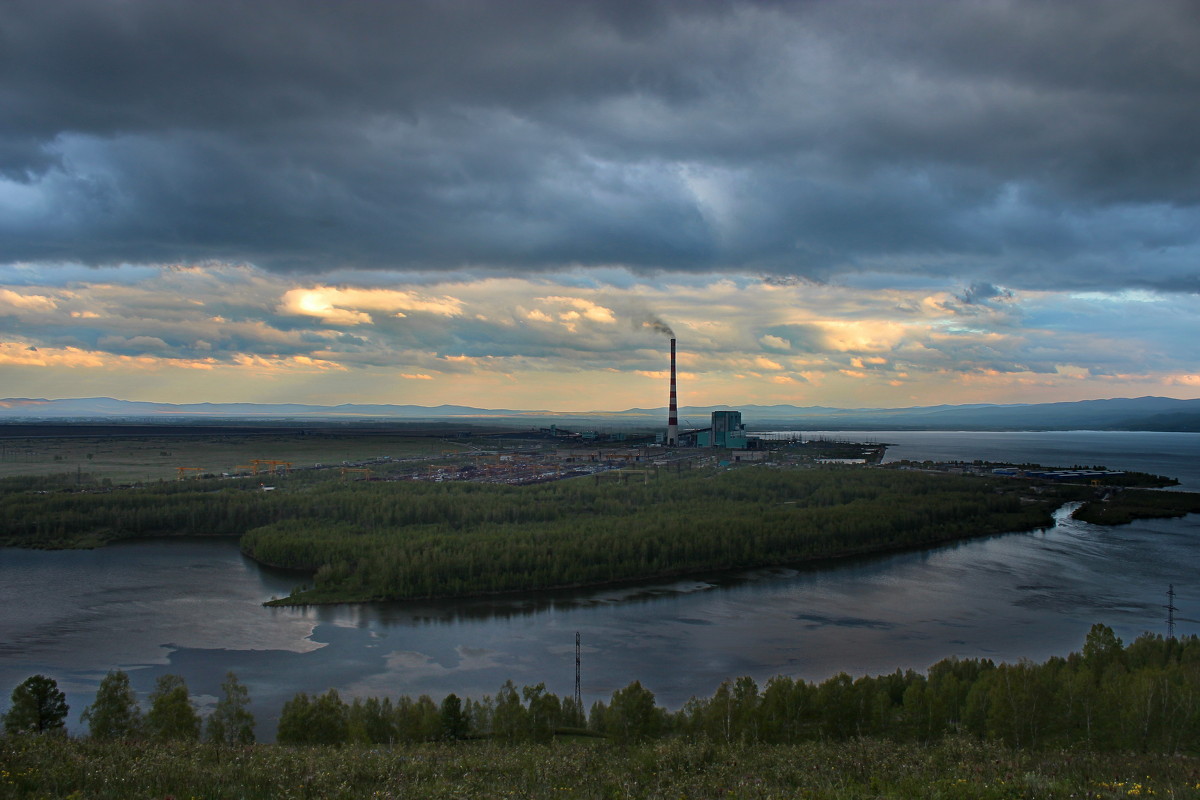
(62, 274)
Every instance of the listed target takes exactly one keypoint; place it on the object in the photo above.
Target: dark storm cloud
(1027, 144)
(984, 294)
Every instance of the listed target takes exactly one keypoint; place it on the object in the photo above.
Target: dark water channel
(193, 607)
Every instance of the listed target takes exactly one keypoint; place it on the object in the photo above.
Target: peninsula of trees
(453, 539)
(376, 540)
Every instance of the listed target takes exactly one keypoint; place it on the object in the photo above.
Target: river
(194, 607)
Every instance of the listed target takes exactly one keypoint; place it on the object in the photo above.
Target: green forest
(466, 539)
(417, 539)
(1144, 697)
(1112, 720)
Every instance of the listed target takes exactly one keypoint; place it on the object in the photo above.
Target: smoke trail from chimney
(656, 324)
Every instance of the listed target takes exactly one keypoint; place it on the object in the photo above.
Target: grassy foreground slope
(49, 767)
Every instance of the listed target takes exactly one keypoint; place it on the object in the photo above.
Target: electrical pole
(578, 693)
(1171, 609)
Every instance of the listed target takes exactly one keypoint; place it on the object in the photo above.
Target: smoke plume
(654, 323)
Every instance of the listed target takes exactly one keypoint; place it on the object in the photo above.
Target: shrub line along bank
(1112, 721)
(1112, 697)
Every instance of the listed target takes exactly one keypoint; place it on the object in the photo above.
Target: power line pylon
(1171, 609)
(578, 693)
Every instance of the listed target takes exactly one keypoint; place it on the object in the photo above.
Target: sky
(850, 203)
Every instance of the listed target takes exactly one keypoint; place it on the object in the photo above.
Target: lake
(194, 607)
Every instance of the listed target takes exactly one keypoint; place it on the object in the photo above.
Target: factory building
(727, 431)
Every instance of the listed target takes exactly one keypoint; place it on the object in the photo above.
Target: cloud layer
(856, 203)
(1031, 145)
(567, 342)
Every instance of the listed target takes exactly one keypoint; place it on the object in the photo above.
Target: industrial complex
(726, 430)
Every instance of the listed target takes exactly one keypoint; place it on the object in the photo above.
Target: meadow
(863, 769)
(130, 454)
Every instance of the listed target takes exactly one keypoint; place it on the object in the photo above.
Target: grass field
(125, 458)
(51, 767)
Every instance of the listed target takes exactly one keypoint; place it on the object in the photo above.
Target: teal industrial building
(727, 430)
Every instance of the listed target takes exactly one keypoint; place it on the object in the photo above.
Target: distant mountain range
(1141, 413)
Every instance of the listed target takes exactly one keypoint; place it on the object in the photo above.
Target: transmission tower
(1171, 609)
(578, 693)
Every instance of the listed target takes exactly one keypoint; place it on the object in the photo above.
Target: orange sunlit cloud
(337, 306)
(584, 308)
(17, 354)
(862, 335)
(742, 340)
(26, 302)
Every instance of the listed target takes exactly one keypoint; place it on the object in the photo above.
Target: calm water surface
(193, 607)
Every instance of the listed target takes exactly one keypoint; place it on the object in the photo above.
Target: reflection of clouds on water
(414, 672)
(204, 703)
(480, 658)
(415, 664)
(116, 607)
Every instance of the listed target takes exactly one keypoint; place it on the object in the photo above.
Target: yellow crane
(366, 473)
(183, 471)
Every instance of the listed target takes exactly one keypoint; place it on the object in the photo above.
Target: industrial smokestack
(673, 411)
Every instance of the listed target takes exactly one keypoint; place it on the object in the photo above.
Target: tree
(114, 714)
(428, 719)
(632, 715)
(372, 721)
(544, 712)
(172, 716)
(744, 710)
(1102, 648)
(230, 722)
(509, 719)
(293, 720)
(38, 706)
(596, 716)
(324, 719)
(454, 722)
(330, 719)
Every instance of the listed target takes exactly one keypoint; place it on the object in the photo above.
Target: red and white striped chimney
(673, 412)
